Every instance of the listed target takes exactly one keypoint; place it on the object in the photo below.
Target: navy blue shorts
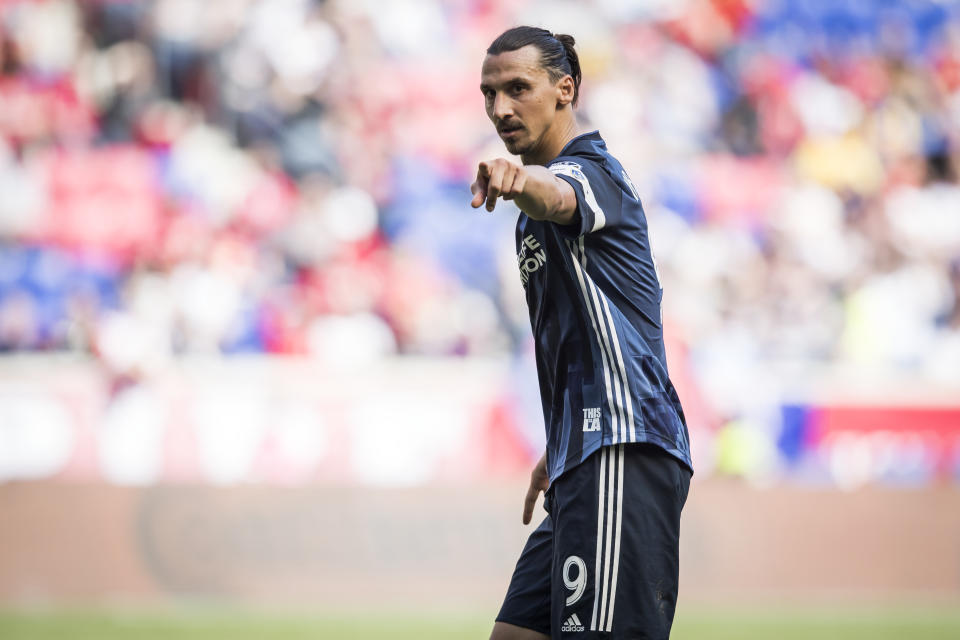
(604, 562)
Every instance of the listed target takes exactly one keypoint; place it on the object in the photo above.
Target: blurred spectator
(179, 176)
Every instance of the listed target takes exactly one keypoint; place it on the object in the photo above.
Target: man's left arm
(537, 192)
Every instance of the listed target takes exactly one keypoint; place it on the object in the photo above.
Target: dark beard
(517, 148)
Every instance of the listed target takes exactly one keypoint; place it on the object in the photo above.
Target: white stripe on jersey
(623, 370)
(601, 339)
(618, 382)
(575, 171)
(611, 355)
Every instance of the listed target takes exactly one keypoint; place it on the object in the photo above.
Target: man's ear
(565, 91)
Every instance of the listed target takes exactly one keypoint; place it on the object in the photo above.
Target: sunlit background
(257, 349)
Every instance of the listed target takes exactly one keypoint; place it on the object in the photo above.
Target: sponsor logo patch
(591, 419)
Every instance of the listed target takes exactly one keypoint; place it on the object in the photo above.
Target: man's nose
(502, 107)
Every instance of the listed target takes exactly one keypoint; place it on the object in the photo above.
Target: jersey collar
(594, 135)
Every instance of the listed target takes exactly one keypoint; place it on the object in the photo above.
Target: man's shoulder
(587, 146)
(592, 171)
(585, 154)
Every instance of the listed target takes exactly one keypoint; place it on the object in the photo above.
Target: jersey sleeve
(599, 197)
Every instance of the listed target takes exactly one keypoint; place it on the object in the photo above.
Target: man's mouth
(510, 130)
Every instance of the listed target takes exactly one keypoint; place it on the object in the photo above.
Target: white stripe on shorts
(609, 526)
(596, 574)
(618, 526)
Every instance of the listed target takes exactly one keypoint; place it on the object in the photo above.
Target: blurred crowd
(235, 176)
(291, 177)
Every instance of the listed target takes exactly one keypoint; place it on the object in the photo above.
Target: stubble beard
(516, 148)
(519, 147)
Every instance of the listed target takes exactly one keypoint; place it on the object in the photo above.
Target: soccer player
(616, 471)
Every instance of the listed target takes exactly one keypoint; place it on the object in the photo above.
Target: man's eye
(517, 88)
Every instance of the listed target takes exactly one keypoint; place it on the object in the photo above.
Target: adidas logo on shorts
(572, 624)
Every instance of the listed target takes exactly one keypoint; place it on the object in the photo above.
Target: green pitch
(700, 624)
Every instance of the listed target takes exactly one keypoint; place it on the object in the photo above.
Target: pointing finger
(479, 187)
(493, 188)
(513, 185)
(479, 194)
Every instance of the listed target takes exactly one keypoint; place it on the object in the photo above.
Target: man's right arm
(538, 192)
(539, 482)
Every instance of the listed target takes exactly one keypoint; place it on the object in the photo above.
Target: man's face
(520, 98)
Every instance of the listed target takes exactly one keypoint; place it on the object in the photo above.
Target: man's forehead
(523, 62)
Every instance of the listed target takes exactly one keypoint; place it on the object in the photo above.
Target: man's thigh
(552, 581)
(527, 603)
(604, 563)
(616, 544)
(505, 631)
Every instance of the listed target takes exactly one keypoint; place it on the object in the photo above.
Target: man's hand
(539, 482)
(538, 193)
(498, 178)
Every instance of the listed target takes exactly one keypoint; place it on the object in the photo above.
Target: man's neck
(555, 140)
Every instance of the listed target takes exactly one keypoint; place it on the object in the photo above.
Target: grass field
(201, 624)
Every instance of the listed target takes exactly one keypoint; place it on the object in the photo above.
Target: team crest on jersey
(591, 419)
(571, 169)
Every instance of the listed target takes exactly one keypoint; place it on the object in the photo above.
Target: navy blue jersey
(594, 300)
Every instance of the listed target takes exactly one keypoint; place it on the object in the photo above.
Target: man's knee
(505, 631)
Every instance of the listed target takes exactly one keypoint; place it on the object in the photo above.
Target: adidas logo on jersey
(591, 419)
(572, 624)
